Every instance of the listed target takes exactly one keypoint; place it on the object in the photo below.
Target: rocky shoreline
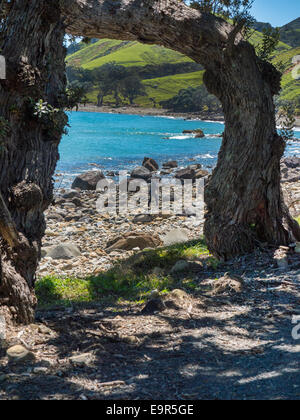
(154, 112)
(157, 112)
(80, 241)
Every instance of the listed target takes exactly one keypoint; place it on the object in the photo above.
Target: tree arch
(243, 196)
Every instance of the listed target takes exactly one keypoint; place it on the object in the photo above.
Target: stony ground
(234, 337)
(73, 219)
(230, 341)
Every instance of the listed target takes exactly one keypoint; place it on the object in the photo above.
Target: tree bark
(243, 196)
(32, 43)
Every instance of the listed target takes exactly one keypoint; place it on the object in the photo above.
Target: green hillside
(127, 54)
(290, 33)
(159, 89)
(138, 56)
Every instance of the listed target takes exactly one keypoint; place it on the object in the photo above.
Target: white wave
(168, 117)
(182, 137)
(214, 136)
(215, 122)
(206, 156)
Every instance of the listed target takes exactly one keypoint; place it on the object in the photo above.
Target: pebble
(91, 235)
(18, 354)
(92, 231)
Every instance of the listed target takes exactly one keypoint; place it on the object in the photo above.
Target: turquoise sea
(120, 142)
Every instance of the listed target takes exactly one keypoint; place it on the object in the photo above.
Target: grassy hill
(125, 53)
(290, 33)
(135, 55)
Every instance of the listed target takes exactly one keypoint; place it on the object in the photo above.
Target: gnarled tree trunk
(32, 43)
(243, 196)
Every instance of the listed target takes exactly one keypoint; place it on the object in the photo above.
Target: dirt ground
(221, 343)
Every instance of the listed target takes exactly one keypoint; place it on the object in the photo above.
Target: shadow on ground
(227, 346)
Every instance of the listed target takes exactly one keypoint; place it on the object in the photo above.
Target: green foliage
(131, 280)
(54, 120)
(132, 87)
(269, 43)
(76, 94)
(164, 72)
(193, 100)
(43, 109)
(238, 11)
(287, 117)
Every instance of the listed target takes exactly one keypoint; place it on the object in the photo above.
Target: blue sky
(277, 12)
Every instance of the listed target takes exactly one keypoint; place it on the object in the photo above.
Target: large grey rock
(88, 180)
(68, 195)
(198, 133)
(150, 164)
(18, 354)
(172, 164)
(64, 251)
(292, 162)
(201, 173)
(191, 173)
(175, 236)
(182, 266)
(132, 240)
(141, 173)
(187, 173)
(142, 218)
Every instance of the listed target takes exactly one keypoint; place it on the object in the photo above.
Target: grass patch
(127, 54)
(131, 280)
(159, 89)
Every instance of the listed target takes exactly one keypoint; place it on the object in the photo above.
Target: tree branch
(169, 23)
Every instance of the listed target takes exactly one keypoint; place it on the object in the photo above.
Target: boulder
(132, 240)
(71, 194)
(166, 171)
(292, 162)
(142, 218)
(170, 165)
(175, 236)
(180, 266)
(153, 306)
(64, 251)
(198, 133)
(201, 173)
(141, 173)
(195, 166)
(77, 202)
(18, 354)
(230, 283)
(191, 172)
(183, 266)
(186, 173)
(150, 164)
(88, 180)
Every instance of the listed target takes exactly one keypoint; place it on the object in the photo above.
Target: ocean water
(120, 142)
